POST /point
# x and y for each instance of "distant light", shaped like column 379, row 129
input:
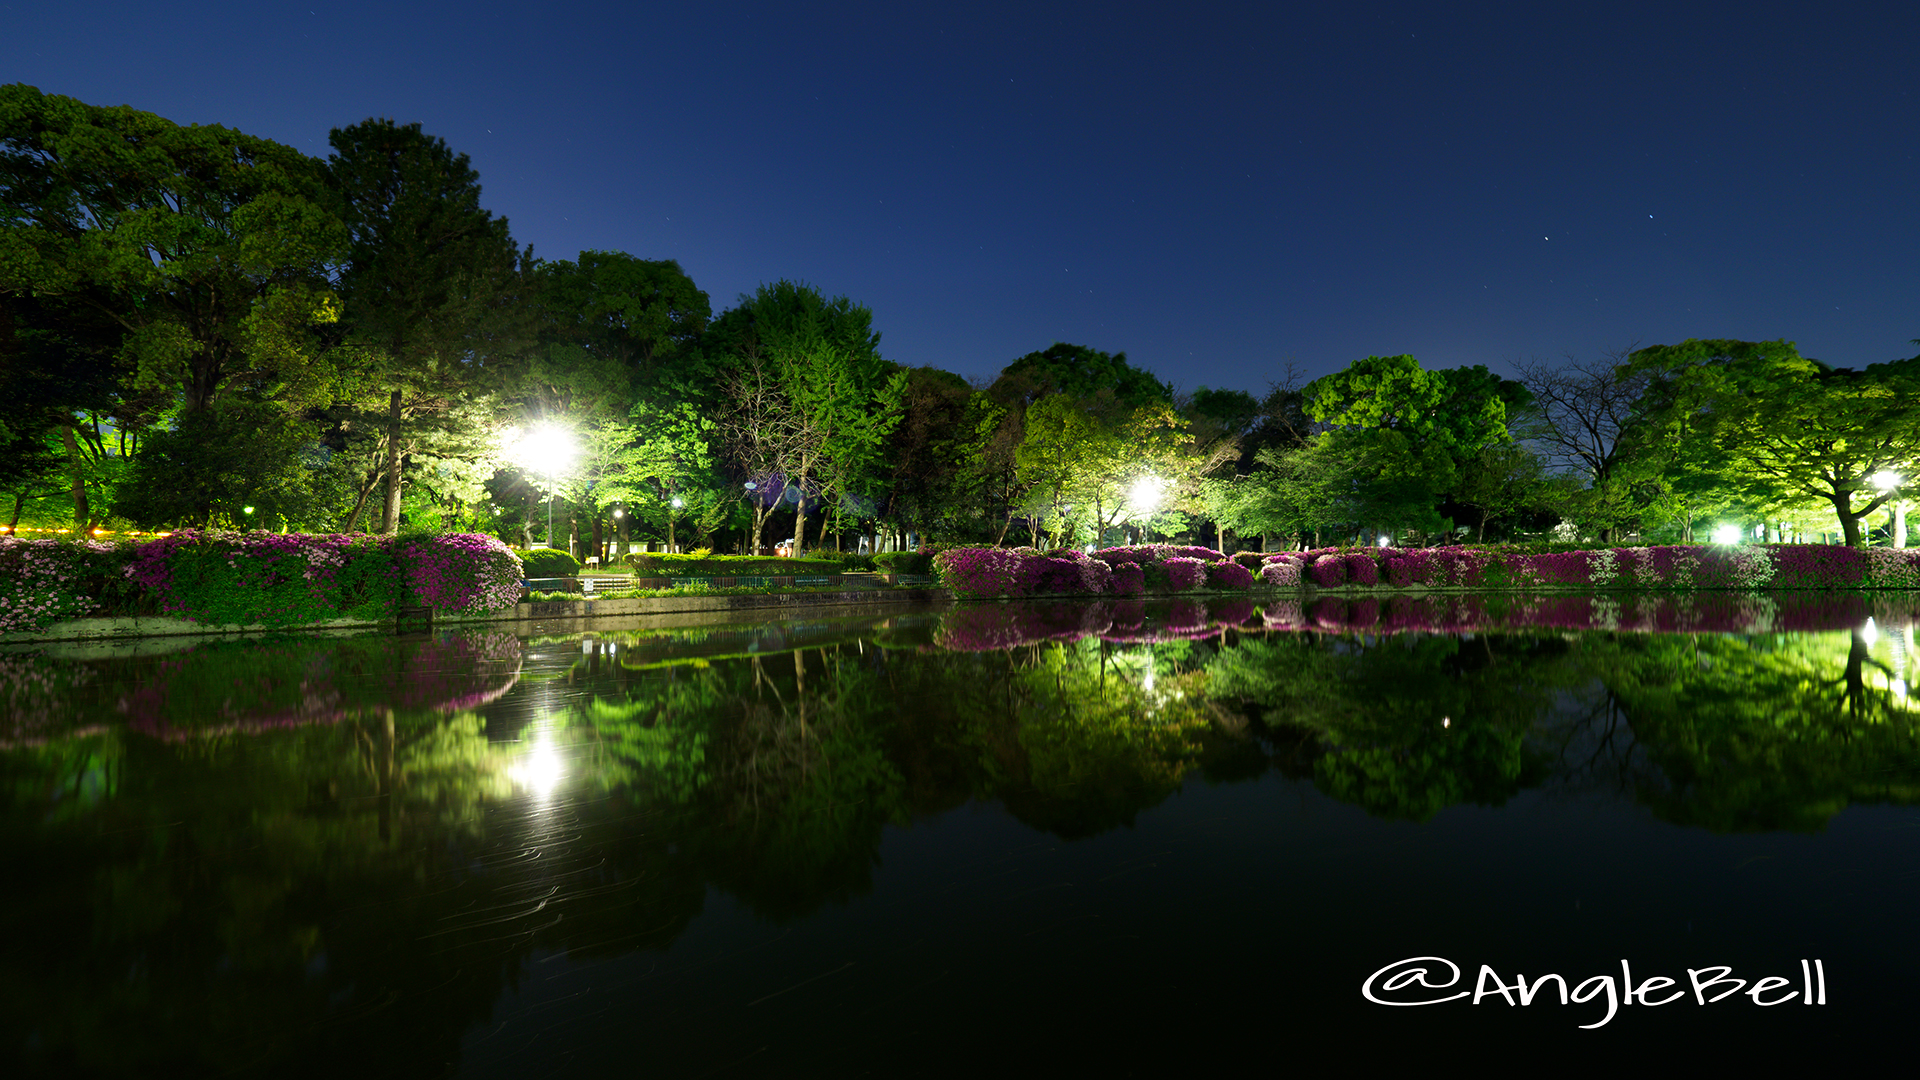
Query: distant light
column 1383, row 541
column 1886, row 480
column 246, row 509
column 677, row 504
column 1728, row 534
column 1446, row 721
column 751, row 486
column 1869, row 633
column 618, row 513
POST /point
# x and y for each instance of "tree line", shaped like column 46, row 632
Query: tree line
column 201, row 327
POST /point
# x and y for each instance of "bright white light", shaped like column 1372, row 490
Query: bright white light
column 1885, row 480
column 1869, row 633
column 547, row 449
column 1147, row 683
column 1900, row 688
column 1728, row 534
column 1446, row 721
column 1144, row 496
column 1383, row 541
column 539, row 771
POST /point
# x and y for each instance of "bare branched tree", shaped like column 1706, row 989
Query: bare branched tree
column 1583, row 407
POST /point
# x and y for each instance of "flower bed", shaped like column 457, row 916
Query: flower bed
column 980, row 572
column 253, row 578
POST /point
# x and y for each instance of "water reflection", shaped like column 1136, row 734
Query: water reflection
column 381, row 833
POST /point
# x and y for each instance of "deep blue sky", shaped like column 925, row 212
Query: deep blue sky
column 1216, row 191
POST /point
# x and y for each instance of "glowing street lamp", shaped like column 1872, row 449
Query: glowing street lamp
column 1144, row 495
column 1728, row 535
column 549, row 450
column 1888, row 481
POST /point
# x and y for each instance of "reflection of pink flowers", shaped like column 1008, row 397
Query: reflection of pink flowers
column 1231, row 611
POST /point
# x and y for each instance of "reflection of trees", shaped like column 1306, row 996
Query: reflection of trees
column 232, row 896
column 1402, row 725
column 1763, row 732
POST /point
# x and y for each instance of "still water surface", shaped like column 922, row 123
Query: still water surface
column 1102, row 838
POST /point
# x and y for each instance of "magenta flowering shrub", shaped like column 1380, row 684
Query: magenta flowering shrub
column 1893, row 568
column 1229, row 575
column 462, row 573
column 1362, row 569
column 980, row 571
column 1818, row 566
column 44, row 581
column 1129, row 579
column 1328, row 571
column 1281, row 573
column 272, row 579
column 1184, row 572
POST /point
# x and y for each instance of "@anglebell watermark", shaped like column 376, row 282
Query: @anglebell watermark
column 1418, row 980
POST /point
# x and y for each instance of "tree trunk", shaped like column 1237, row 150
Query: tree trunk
column 19, row 501
column 799, row 520
column 390, row 515
column 596, row 534
column 77, row 479
column 1849, row 522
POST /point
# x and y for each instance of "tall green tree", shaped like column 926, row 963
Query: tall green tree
column 1410, row 428
column 206, row 249
column 1783, row 428
column 810, row 401
column 437, row 296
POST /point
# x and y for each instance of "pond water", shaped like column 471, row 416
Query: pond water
column 1115, row 838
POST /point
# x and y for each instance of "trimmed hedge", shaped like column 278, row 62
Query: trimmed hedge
column 549, row 562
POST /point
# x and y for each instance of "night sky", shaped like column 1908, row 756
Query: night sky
column 1217, row 191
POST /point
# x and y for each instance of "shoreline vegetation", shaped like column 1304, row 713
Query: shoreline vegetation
column 214, row 582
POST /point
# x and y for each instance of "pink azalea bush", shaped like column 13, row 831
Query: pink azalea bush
column 1328, row 571
column 1281, row 573
column 282, row 579
column 1362, row 569
column 1684, row 568
column 462, row 573
column 1184, row 572
column 44, row 581
column 1228, row 575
